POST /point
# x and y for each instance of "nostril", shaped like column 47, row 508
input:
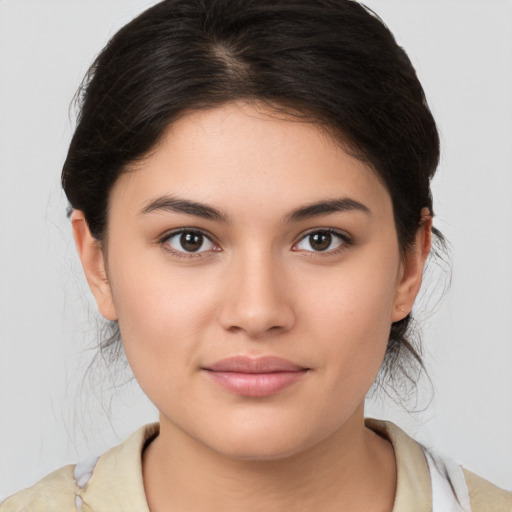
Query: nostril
column 256, row 331
column 234, row 329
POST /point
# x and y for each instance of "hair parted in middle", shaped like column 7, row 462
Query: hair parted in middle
column 329, row 62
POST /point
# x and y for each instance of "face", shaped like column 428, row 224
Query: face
column 254, row 269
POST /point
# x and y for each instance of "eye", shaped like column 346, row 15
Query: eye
column 323, row 240
column 189, row 241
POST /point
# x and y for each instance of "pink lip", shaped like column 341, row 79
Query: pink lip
column 258, row 377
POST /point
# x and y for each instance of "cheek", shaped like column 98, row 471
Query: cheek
column 162, row 317
column 350, row 313
column 357, row 298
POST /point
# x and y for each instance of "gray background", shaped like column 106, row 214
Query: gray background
column 50, row 415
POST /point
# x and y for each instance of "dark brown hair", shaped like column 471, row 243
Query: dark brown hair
column 332, row 62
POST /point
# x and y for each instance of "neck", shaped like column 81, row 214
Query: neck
column 353, row 467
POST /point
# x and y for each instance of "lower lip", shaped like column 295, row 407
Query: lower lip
column 255, row 384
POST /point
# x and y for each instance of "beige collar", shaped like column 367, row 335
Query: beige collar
column 116, row 484
column 414, row 490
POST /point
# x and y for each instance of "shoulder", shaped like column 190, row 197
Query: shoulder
column 425, row 481
column 54, row 492
column 486, row 496
column 111, row 482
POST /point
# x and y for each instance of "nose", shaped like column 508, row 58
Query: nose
column 257, row 297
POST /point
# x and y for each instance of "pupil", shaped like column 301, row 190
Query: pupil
column 320, row 241
column 191, row 242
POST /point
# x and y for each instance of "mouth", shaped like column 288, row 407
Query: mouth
column 255, row 377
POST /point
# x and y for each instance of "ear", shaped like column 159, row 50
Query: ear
column 411, row 272
column 92, row 257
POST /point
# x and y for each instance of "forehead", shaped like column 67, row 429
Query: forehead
column 245, row 155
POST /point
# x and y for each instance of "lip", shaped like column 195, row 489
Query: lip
column 255, row 377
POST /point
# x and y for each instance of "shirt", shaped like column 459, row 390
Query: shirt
column 113, row 482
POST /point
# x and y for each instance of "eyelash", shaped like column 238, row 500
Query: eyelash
column 345, row 242
column 164, row 242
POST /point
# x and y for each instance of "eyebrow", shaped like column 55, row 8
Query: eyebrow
column 326, row 207
column 179, row 205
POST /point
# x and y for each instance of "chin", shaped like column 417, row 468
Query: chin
column 261, row 442
column 258, row 448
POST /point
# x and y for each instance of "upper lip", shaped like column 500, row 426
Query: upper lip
column 245, row 364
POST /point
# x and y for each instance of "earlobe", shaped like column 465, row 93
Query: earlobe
column 92, row 257
column 412, row 268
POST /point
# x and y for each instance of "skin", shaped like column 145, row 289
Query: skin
column 256, row 287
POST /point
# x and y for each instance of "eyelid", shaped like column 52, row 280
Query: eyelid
column 345, row 237
column 162, row 241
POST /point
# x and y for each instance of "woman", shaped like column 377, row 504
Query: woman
column 250, row 193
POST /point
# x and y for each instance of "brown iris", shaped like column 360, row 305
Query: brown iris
column 191, row 242
column 320, row 241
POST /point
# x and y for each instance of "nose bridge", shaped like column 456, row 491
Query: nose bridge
column 256, row 298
